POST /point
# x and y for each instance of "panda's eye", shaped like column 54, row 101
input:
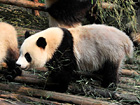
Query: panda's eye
column 28, row 57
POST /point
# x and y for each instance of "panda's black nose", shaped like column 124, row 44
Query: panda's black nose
column 18, row 65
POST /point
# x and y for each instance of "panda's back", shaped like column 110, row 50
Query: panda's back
column 94, row 44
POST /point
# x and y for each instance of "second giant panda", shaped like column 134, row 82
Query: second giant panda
column 9, row 51
column 88, row 48
column 67, row 13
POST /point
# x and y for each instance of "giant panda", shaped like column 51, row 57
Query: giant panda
column 67, row 13
column 9, row 51
column 87, row 48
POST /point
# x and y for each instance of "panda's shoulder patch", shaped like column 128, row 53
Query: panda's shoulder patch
column 66, row 41
column 67, row 38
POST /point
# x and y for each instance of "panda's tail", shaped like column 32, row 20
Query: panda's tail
column 128, row 47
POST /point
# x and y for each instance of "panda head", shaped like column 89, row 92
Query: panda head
column 39, row 48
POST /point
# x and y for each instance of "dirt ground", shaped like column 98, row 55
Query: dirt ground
column 127, row 92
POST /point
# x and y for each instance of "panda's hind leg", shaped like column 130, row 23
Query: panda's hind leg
column 110, row 73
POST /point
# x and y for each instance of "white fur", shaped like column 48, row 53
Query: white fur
column 8, row 40
column 93, row 44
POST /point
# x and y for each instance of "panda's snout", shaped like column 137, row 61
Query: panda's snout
column 22, row 62
column 22, row 66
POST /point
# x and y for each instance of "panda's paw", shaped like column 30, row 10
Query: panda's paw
column 112, row 85
column 12, row 74
column 18, row 71
column 9, row 77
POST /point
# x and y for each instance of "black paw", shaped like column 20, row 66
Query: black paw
column 10, row 75
column 17, row 71
column 109, row 85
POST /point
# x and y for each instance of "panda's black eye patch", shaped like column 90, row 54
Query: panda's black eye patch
column 28, row 57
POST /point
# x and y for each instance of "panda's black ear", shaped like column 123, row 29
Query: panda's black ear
column 41, row 42
column 27, row 34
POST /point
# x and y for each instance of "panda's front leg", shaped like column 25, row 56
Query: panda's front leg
column 12, row 71
column 62, row 79
column 61, row 67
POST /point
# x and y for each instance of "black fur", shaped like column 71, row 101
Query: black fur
column 41, row 42
column 110, row 73
column 69, row 12
column 63, row 63
column 27, row 34
column 28, row 57
column 13, row 70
